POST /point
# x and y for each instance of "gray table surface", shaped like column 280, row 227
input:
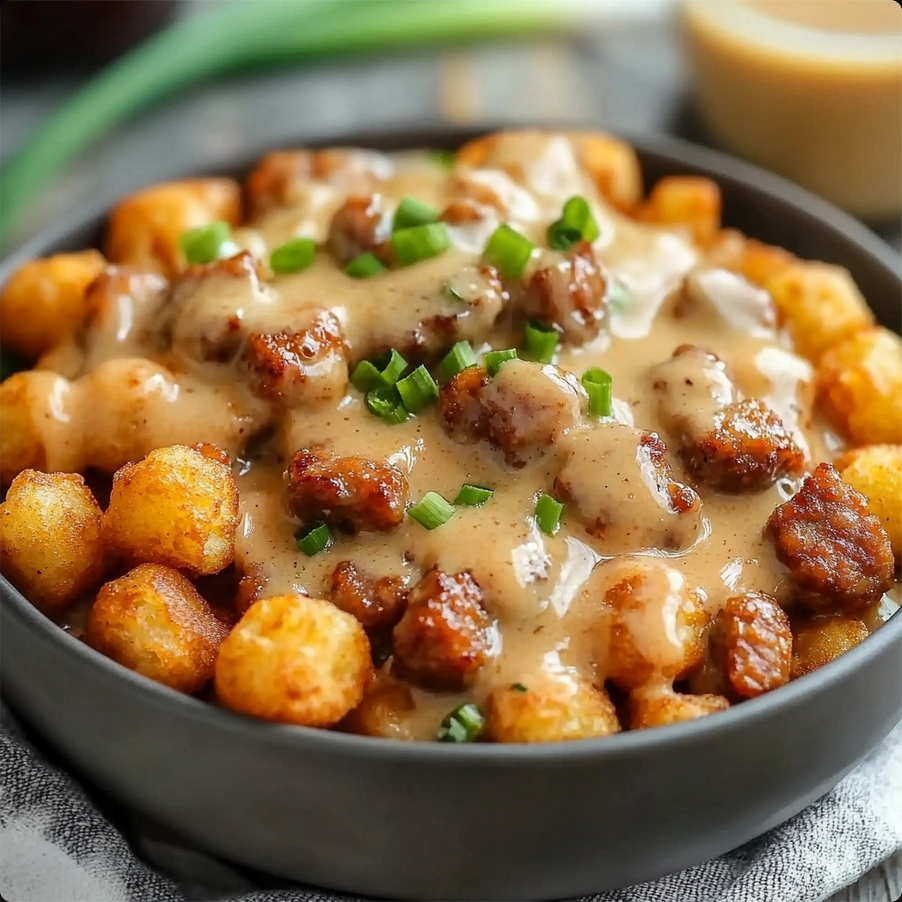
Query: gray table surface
column 625, row 74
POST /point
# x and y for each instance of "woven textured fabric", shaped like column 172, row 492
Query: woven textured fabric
column 56, row 846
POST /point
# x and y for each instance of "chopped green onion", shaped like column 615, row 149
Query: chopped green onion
column 460, row 357
column 420, row 242
column 494, row 359
column 412, row 212
column 540, row 342
column 508, row 251
column 293, row 256
column 385, row 402
column 518, row 687
column 619, row 295
column 576, row 224
column 418, row 389
column 473, row 495
column 207, row 243
column 364, row 266
column 453, row 293
column 548, row 514
column 598, row 385
column 431, row 510
column 315, row 538
column 444, row 158
column 464, row 724
column 380, row 372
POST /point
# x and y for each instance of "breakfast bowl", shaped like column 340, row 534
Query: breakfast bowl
column 461, row 820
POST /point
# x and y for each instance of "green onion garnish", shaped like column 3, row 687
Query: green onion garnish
column 314, row 538
column 444, row 158
column 293, row 256
column 420, row 242
column 576, row 224
column 207, row 243
column 494, row 359
column 418, row 389
column 453, row 293
column 540, row 342
column 412, row 212
column 431, row 510
column 473, row 495
column 619, row 295
column 508, row 251
column 385, row 402
column 460, row 357
column 364, row 266
column 380, row 372
column 464, row 724
column 518, row 687
column 548, row 514
column 597, row 384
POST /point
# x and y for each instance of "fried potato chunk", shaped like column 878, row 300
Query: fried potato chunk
column 818, row 304
column 838, row 554
column 153, row 621
column 820, row 640
column 51, row 538
column 445, row 635
column 384, row 711
column 551, row 707
column 756, row 261
column 43, row 303
column 859, row 385
column 175, row 507
column 295, row 660
column 685, row 200
column 659, row 706
column 375, row 603
column 144, row 229
column 876, row 472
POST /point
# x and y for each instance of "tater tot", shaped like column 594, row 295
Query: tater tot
column 145, row 228
column 685, row 200
column 819, row 640
column 876, row 472
column 385, row 711
column 153, row 621
column 550, row 707
column 818, row 304
column 295, row 660
column 859, row 386
column 51, row 538
column 175, row 507
column 42, row 304
column 658, row 706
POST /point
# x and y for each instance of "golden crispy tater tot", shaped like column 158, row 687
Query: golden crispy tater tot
column 818, row 304
column 43, row 303
column 384, row 711
column 550, row 707
column 145, row 228
column 685, row 200
column 51, row 538
column 859, row 385
column 818, row 640
column 153, row 621
column 175, row 507
column 876, row 472
column 756, row 261
column 296, row 660
column 658, row 706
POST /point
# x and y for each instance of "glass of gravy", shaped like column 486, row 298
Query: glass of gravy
column 811, row 89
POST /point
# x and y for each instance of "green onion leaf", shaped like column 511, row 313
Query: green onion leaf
column 380, row 372
column 315, row 538
column 385, row 402
column 431, row 510
column 508, row 251
column 548, row 514
column 364, row 266
column 418, row 389
column 473, row 495
column 540, row 342
column 464, row 724
column 460, row 357
column 293, row 256
column 619, row 296
column 207, row 243
column 518, row 687
column 454, row 294
column 412, row 212
column 444, row 158
column 597, row 384
column 420, row 242
column 494, row 359
column 576, row 224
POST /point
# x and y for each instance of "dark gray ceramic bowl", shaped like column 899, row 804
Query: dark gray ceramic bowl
column 434, row 821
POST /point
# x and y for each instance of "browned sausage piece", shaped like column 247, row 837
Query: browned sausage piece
column 838, row 553
column 752, row 641
column 374, row 602
column 445, row 635
column 352, row 493
column 359, row 226
column 571, row 295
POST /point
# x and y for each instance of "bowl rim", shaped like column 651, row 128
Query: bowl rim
column 681, row 153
